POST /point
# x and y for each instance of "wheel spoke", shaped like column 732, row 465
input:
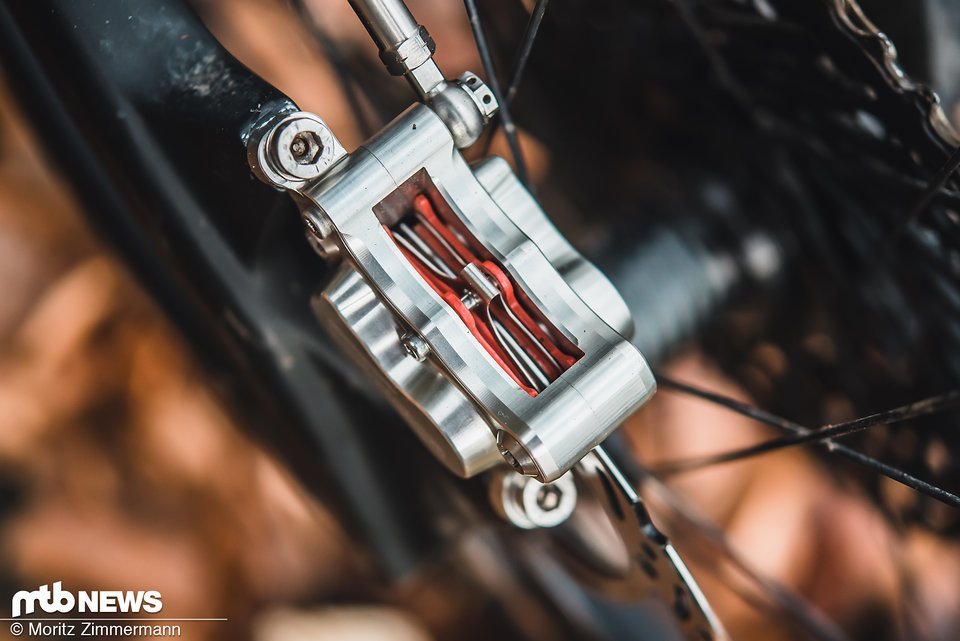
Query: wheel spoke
column 937, row 183
column 359, row 104
column 526, row 46
column 509, row 129
column 838, row 449
column 523, row 56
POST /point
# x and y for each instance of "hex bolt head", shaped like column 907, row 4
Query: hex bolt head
column 415, row 346
column 516, row 454
column 549, row 497
column 299, row 148
column 306, row 148
column 529, row 504
column 288, row 149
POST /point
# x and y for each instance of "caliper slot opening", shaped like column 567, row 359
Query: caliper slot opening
column 464, row 274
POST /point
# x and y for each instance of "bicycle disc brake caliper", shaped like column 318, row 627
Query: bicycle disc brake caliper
column 480, row 322
column 491, row 335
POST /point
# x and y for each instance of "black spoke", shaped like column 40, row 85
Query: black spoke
column 925, row 407
column 838, row 449
column 341, row 68
column 509, row 129
column 526, row 46
column 523, row 55
column 933, row 189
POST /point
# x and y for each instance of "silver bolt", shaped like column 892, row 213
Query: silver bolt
column 516, row 454
column 300, row 147
column 321, row 241
column 288, row 149
column 549, row 497
column 529, row 504
column 415, row 346
column 306, row 148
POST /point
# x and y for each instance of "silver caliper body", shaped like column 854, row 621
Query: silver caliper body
column 483, row 326
column 451, row 387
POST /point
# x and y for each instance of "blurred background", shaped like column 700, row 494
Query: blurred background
column 120, row 465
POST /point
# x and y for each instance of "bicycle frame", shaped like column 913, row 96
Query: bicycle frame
column 143, row 112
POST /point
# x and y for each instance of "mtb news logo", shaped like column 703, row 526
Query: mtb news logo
column 62, row 601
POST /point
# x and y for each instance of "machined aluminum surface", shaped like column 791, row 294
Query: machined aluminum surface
column 442, row 416
column 548, row 433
